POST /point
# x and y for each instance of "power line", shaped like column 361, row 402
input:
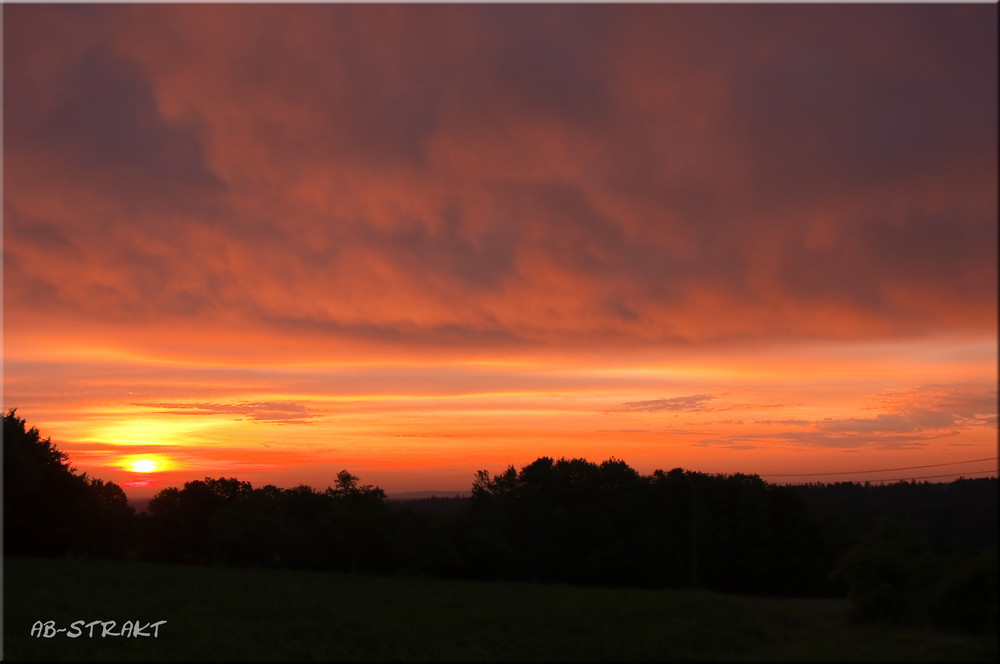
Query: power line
column 883, row 470
column 926, row 477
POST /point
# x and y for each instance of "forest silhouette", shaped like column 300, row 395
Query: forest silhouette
column 906, row 553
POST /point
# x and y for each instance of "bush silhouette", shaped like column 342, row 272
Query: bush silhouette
column 887, row 574
column 966, row 597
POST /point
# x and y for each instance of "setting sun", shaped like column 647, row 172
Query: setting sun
column 144, row 464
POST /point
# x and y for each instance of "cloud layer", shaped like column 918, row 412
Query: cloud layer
column 499, row 178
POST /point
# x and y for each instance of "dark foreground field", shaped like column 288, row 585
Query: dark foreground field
column 231, row 614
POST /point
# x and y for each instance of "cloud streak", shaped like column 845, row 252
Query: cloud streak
column 918, row 416
column 266, row 411
column 692, row 403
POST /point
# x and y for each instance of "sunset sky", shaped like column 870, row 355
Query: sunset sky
column 273, row 241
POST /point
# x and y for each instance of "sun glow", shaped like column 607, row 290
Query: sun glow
column 145, row 463
column 142, row 466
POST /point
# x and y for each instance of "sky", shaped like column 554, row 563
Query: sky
column 415, row 241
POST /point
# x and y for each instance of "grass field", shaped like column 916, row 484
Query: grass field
column 235, row 614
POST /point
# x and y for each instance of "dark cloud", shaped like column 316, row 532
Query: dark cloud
column 538, row 66
column 793, row 422
column 103, row 128
column 692, row 403
column 918, row 420
column 919, row 415
column 881, row 440
column 728, row 445
column 42, row 235
column 881, row 256
column 453, row 248
column 864, row 96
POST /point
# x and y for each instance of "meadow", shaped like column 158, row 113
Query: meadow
column 216, row 613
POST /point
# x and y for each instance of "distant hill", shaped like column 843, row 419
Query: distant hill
column 419, row 495
column 142, row 504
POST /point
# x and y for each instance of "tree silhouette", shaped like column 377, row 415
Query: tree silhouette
column 575, row 521
column 111, row 521
column 180, row 525
column 348, row 488
column 51, row 510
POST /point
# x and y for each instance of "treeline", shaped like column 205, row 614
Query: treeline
column 225, row 521
column 579, row 522
column 910, row 553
